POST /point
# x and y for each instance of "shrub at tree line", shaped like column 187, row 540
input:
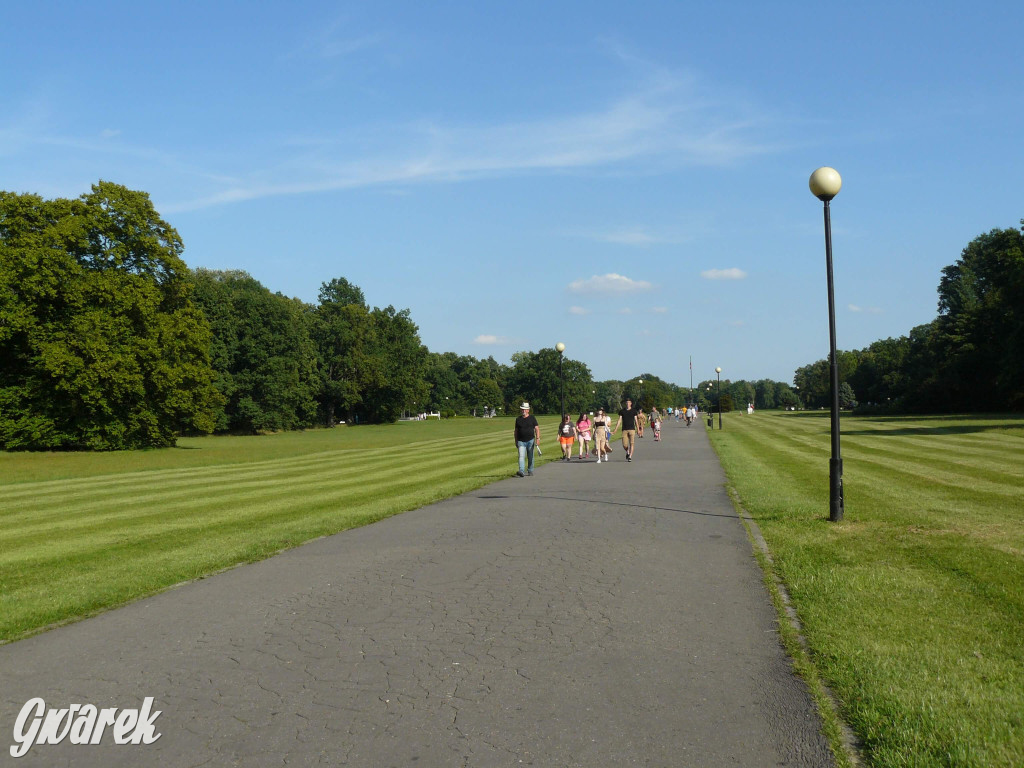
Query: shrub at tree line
column 109, row 341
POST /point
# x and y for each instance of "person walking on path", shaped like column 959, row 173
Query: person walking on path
column 627, row 420
column 583, row 434
column 527, row 437
column 602, row 429
column 566, row 437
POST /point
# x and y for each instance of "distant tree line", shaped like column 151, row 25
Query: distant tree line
column 109, row 341
column 970, row 358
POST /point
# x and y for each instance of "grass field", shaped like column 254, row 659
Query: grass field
column 913, row 606
column 81, row 533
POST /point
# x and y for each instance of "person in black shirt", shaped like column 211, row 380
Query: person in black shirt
column 627, row 420
column 527, row 437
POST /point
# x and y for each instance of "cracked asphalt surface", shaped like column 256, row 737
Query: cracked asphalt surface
column 591, row 615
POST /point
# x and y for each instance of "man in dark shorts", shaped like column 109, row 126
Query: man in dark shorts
column 627, row 419
column 527, row 436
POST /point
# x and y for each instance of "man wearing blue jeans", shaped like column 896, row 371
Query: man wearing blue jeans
column 527, row 435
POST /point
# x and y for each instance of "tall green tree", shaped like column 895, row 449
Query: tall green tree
column 981, row 321
column 607, row 395
column 372, row 363
column 402, row 365
column 347, row 344
column 102, row 345
column 534, row 376
column 262, row 351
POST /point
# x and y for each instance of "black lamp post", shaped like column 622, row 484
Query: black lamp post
column 718, row 372
column 561, row 353
column 825, row 184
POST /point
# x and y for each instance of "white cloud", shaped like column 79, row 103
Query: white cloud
column 610, row 283
column 491, row 339
column 659, row 310
column 578, row 311
column 732, row 273
column 868, row 310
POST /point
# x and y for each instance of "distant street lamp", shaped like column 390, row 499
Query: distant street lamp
column 825, row 184
column 561, row 353
column 718, row 372
column 641, row 394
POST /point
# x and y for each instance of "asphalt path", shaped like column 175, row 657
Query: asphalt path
column 592, row 615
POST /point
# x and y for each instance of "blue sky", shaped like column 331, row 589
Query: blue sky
column 631, row 181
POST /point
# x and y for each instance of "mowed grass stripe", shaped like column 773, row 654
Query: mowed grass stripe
column 43, row 490
column 912, row 606
column 132, row 544
column 935, row 479
column 182, row 506
column 952, row 455
column 281, row 512
column 930, row 467
column 85, row 496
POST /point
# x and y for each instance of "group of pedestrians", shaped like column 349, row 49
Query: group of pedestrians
column 600, row 430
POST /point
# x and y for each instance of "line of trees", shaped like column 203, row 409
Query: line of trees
column 969, row 358
column 109, row 341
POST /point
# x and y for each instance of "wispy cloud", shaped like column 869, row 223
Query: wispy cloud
column 332, row 40
column 867, row 310
column 667, row 120
column 578, row 311
column 659, row 310
column 664, row 123
column 627, row 237
column 610, row 283
column 723, row 274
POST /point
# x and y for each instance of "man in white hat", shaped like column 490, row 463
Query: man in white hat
column 527, row 436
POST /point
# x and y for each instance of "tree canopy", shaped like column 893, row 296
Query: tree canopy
column 102, row 345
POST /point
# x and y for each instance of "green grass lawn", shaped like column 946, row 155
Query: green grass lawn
column 913, row 606
column 83, row 532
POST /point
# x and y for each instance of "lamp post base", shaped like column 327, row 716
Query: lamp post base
column 835, row 481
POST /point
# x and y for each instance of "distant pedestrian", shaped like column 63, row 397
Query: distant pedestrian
column 527, row 437
column 583, row 426
column 566, row 437
column 656, row 426
column 627, row 420
column 602, row 431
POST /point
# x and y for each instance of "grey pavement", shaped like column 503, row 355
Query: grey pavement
column 591, row 615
